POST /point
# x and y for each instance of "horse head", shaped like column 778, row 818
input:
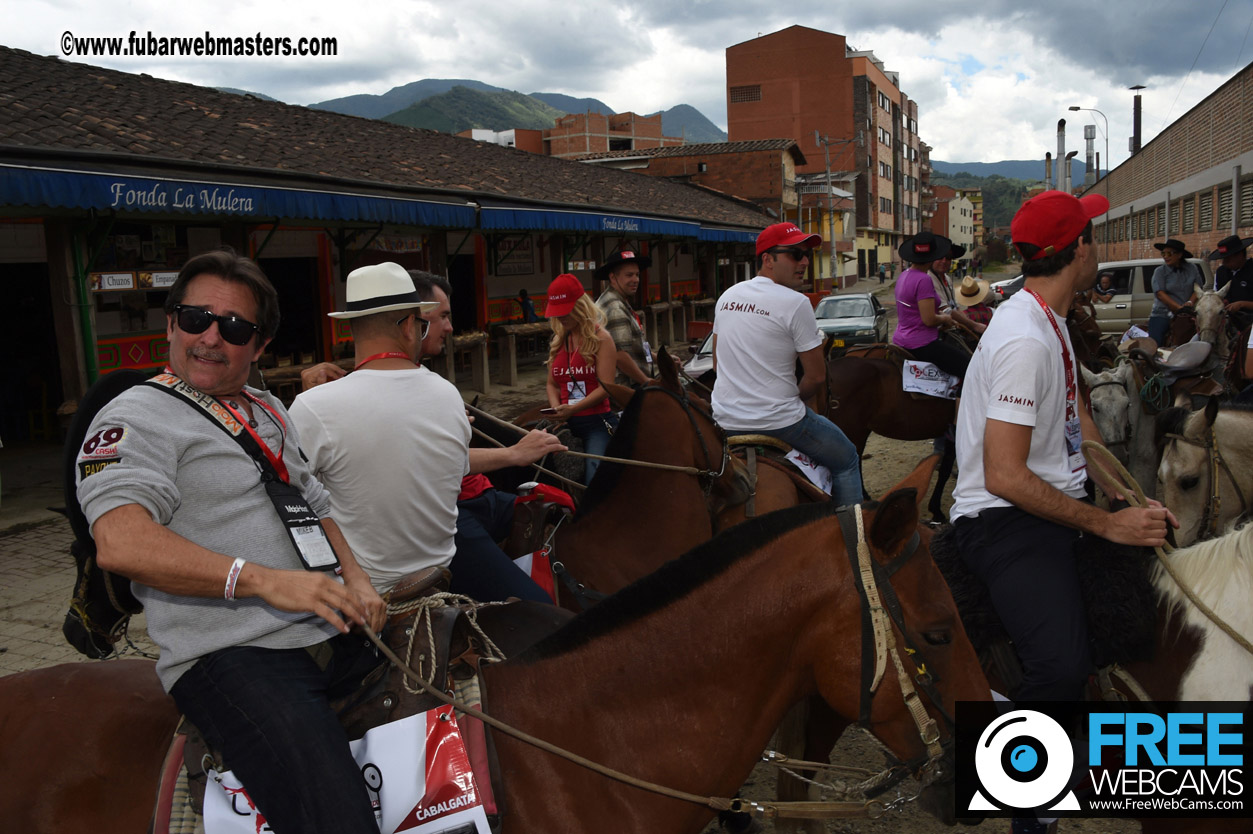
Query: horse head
column 1204, row 467
column 1111, row 407
column 932, row 653
column 1211, row 313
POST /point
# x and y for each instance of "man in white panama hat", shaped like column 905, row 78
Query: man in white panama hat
column 390, row 442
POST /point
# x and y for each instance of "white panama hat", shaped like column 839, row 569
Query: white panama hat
column 381, row 288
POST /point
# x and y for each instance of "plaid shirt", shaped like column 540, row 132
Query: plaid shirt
column 979, row 313
column 624, row 329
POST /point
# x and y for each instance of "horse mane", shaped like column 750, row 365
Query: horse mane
column 1208, row 568
column 620, row 445
column 676, row 579
column 1174, row 420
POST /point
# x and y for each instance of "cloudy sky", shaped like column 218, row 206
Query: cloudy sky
column 991, row 77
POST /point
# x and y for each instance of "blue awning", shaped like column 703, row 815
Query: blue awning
column 519, row 218
column 60, row 188
column 726, row 235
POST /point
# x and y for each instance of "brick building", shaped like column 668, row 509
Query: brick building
column 583, row 133
column 799, row 81
column 1193, row 182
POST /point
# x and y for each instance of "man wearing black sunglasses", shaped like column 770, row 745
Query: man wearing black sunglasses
column 761, row 328
column 233, row 569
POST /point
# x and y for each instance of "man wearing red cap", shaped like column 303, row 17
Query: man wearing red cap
column 760, row 329
column 1018, row 506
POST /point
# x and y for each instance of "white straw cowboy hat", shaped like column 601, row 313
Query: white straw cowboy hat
column 381, row 288
column 971, row 291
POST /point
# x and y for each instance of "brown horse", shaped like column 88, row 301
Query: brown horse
column 864, row 395
column 615, row 685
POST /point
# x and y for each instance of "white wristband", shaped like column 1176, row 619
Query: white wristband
column 233, row 576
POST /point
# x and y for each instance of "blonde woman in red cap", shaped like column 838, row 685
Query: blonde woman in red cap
column 581, row 354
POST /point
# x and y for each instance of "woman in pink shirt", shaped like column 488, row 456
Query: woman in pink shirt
column 580, row 355
column 918, row 320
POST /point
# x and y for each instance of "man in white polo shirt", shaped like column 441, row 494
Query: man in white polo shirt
column 761, row 327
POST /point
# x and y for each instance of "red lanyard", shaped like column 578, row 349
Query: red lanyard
column 1072, row 390
column 391, row 354
column 275, row 460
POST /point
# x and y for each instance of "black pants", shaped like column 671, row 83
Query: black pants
column 944, row 356
column 1028, row 565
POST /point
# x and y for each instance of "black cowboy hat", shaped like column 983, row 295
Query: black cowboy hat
column 622, row 256
column 1230, row 246
column 957, row 251
column 1177, row 245
column 925, row 247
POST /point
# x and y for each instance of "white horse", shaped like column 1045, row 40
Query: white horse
column 1125, row 429
column 1210, row 318
column 1220, row 574
column 1206, row 469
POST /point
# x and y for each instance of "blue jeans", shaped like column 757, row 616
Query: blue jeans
column 822, row 440
column 1159, row 326
column 593, row 430
column 481, row 570
column 268, row 712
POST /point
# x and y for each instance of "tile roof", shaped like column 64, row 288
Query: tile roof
column 705, row 149
column 47, row 104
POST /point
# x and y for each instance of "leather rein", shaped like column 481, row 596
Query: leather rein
column 871, row 577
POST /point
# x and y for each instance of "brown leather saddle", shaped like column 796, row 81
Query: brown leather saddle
column 758, row 450
column 1185, row 372
column 447, row 643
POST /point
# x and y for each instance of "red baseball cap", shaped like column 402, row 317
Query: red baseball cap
column 563, row 293
column 1054, row 220
column 785, row 234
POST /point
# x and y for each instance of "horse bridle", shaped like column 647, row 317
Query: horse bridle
column 880, row 610
column 1214, row 504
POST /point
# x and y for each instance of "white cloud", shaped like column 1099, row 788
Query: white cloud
column 991, row 81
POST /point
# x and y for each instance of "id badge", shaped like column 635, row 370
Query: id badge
column 648, row 353
column 1074, row 444
column 576, row 390
column 303, row 526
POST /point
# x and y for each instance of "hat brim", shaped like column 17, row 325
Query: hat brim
column 421, row 307
column 1186, row 254
column 943, row 248
column 563, row 308
column 809, row 241
column 970, row 301
column 1245, row 243
column 602, row 271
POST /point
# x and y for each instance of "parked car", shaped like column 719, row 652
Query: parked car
column 1133, row 292
column 852, row 319
column 1002, row 290
column 700, row 366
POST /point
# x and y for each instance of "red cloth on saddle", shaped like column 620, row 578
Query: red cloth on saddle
column 548, row 493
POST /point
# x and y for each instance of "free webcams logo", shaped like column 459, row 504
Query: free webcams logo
column 1024, row 760
column 1103, row 759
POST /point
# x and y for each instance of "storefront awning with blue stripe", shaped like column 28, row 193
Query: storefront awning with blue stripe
column 61, row 188
column 712, row 235
column 528, row 218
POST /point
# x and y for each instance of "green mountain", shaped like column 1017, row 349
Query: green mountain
column 685, row 121
column 462, row 108
column 398, row 98
column 1001, row 195
column 570, row 104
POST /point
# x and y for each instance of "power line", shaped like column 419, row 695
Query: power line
column 1194, row 60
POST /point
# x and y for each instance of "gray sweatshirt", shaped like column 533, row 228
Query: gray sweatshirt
column 152, row 449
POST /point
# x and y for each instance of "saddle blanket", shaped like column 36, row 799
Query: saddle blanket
column 818, row 475
column 416, row 771
column 925, row 378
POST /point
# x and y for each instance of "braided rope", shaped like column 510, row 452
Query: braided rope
column 424, row 606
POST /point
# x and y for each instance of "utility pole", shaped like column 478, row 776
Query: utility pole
column 825, row 141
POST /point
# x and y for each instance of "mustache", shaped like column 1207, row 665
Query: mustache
column 207, row 355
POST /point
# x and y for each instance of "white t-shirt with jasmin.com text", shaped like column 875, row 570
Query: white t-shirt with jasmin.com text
column 1017, row 376
column 761, row 326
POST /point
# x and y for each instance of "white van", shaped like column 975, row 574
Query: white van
column 1133, row 292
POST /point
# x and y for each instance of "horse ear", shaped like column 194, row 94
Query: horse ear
column 1223, row 292
column 668, row 370
column 1089, row 378
column 919, row 479
column 895, row 520
column 1199, row 290
column 1211, row 411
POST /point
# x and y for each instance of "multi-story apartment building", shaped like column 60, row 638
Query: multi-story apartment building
column 811, row 86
